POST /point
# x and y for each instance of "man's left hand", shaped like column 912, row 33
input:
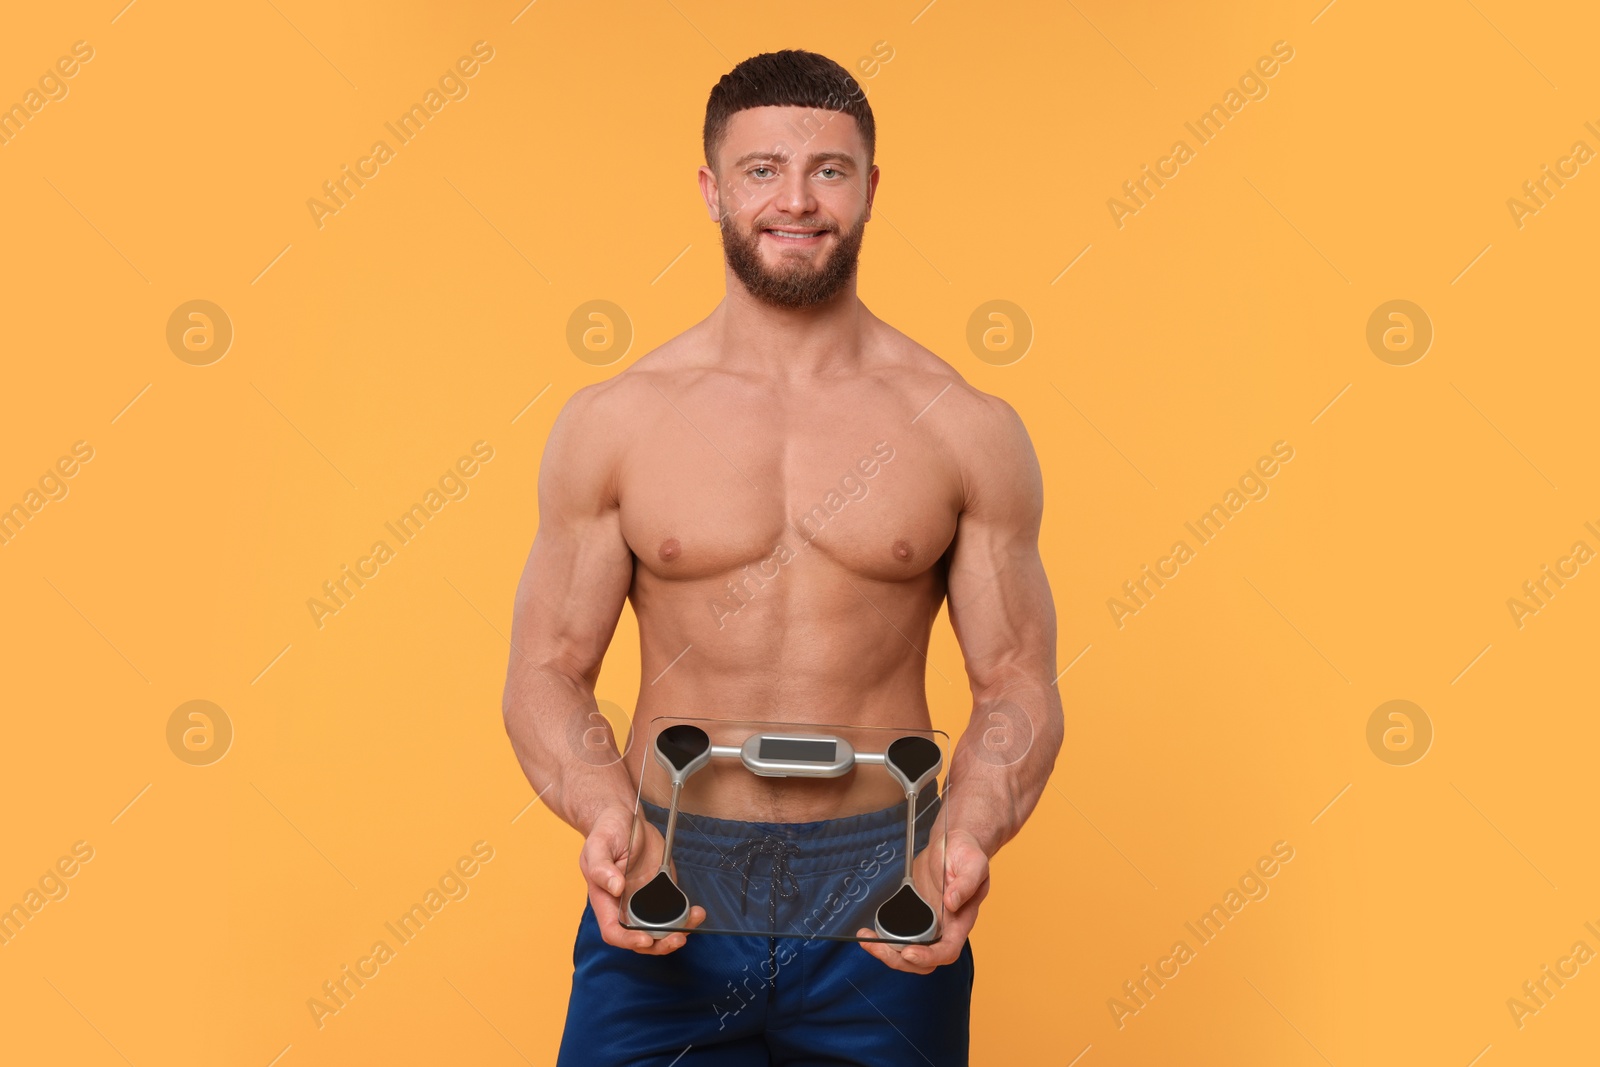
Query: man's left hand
column 966, row 883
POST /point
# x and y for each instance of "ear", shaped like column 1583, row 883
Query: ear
column 872, row 189
column 711, row 193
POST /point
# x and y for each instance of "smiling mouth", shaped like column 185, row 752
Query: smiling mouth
column 792, row 234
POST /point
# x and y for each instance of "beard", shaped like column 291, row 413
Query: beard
column 795, row 282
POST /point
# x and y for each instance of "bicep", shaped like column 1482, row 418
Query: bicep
column 580, row 568
column 1000, row 603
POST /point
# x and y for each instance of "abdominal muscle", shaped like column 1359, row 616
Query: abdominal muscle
column 815, row 653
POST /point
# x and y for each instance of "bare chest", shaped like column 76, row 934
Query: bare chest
column 878, row 500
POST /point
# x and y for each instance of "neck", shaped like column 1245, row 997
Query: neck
column 790, row 344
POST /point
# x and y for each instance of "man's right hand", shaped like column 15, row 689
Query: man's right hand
column 607, row 853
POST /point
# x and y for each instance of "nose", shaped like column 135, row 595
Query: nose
column 795, row 196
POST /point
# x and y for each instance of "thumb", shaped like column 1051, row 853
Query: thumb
column 965, row 872
column 603, row 870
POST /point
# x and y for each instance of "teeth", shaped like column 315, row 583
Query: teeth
column 794, row 236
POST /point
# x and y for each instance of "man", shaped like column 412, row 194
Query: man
column 704, row 484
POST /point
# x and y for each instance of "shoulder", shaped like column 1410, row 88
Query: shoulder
column 622, row 398
column 948, row 406
column 588, row 441
column 616, row 403
column 982, row 433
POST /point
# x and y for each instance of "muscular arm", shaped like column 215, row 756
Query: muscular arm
column 567, row 605
column 572, row 591
column 1004, row 619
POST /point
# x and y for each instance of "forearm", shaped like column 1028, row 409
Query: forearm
column 1003, row 761
column 563, row 743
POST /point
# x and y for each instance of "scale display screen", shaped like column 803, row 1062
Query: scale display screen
column 791, row 748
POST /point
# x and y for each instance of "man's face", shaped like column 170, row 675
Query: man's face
column 792, row 193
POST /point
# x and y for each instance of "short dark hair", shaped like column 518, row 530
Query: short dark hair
column 790, row 78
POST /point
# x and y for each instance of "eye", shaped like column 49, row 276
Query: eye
column 830, row 170
column 760, row 167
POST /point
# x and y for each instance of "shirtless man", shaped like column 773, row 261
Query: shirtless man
column 714, row 483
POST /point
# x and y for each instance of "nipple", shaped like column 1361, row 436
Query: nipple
column 902, row 550
column 669, row 550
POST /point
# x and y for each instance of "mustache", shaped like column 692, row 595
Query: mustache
column 804, row 224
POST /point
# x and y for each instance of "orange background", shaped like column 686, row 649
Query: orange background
column 1229, row 313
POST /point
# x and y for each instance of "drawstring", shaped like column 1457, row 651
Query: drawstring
column 779, row 850
column 783, row 881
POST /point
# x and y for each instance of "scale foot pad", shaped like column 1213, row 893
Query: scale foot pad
column 906, row 917
column 658, row 903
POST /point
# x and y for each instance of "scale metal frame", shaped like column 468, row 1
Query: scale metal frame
column 660, row 907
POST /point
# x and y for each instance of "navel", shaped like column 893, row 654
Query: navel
column 669, row 550
column 902, row 550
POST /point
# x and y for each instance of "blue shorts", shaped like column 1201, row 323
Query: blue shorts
column 741, row 1000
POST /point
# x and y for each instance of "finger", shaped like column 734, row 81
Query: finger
column 883, row 953
column 967, row 887
column 964, row 879
column 937, row 954
column 606, row 907
column 958, row 925
column 963, row 895
column 671, row 943
column 675, row 940
column 642, row 941
column 607, row 914
column 616, row 934
column 599, row 863
column 890, row 955
column 952, row 938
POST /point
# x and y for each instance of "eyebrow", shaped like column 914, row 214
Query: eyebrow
column 812, row 160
